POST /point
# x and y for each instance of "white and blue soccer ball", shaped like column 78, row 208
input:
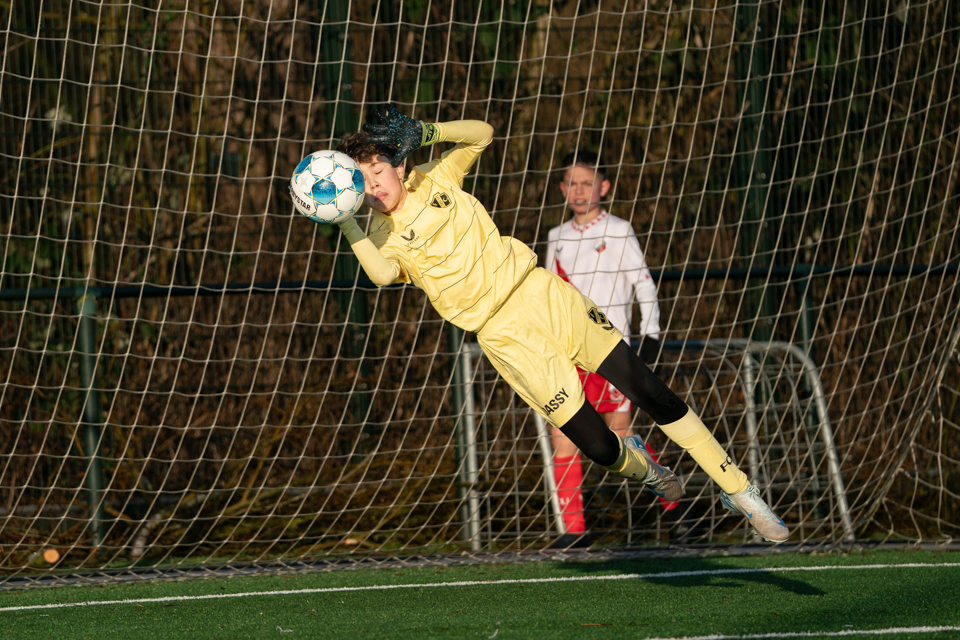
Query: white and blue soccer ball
column 327, row 187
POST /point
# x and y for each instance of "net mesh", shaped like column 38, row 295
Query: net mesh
column 192, row 374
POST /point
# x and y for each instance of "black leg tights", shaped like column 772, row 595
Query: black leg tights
column 593, row 437
column 627, row 372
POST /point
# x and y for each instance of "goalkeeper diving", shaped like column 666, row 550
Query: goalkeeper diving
column 534, row 327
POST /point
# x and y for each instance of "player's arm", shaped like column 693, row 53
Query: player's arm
column 379, row 269
column 550, row 263
column 471, row 136
column 645, row 290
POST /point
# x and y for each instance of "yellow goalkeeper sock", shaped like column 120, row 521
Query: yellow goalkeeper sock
column 629, row 464
column 690, row 433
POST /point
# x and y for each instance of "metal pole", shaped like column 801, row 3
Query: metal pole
column 812, row 377
column 92, row 415
column 466, row 437
column 750, row 400
column 458, row 349
column 471, row 468
column 826, row 433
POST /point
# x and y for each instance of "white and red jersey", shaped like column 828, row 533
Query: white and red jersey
column 603, row 260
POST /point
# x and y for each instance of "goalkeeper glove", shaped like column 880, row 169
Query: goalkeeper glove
column 405, row 133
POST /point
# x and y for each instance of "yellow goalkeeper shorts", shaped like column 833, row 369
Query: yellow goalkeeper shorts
column 539, row 336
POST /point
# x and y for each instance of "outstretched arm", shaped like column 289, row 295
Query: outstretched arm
column 381, row 271
column 408, row 134
column 471, row 136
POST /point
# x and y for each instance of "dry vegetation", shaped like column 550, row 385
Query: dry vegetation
column 152, row 146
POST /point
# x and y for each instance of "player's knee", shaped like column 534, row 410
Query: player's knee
column 628, row 373
column 649, row 386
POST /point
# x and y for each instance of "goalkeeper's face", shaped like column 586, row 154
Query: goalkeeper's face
column 383, row 188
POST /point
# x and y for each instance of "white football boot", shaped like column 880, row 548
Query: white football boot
column 751, row 505
column 660, row 479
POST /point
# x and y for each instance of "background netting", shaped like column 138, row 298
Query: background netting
column 193, row 374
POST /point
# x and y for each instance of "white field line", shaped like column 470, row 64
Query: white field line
column 482, row 583
column 818, row 634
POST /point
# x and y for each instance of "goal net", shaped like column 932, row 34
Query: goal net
column 192, row 375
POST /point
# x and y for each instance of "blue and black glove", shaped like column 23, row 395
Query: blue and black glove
column 404, row 133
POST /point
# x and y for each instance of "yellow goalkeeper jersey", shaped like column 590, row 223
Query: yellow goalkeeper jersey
column 443, row 240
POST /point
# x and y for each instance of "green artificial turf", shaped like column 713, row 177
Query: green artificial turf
column 734, row 604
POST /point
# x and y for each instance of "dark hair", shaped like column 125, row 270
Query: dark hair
column 356, row 146
column 584, row 158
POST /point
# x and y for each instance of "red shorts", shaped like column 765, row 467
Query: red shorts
column 604, row 397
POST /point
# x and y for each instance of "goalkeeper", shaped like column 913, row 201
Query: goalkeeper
column 534, row 327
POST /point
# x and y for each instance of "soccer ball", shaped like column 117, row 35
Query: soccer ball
column 327, row 187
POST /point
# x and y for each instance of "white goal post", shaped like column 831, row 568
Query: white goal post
column 753, row 374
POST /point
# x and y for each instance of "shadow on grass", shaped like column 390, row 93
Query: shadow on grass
column 699, row 572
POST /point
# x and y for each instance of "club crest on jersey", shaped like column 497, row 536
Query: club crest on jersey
column 441, row 201
column 558, row 399
column 599, row 318
column 600, row 246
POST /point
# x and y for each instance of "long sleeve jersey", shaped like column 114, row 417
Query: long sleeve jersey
column 603, row 260
column 444, row 242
